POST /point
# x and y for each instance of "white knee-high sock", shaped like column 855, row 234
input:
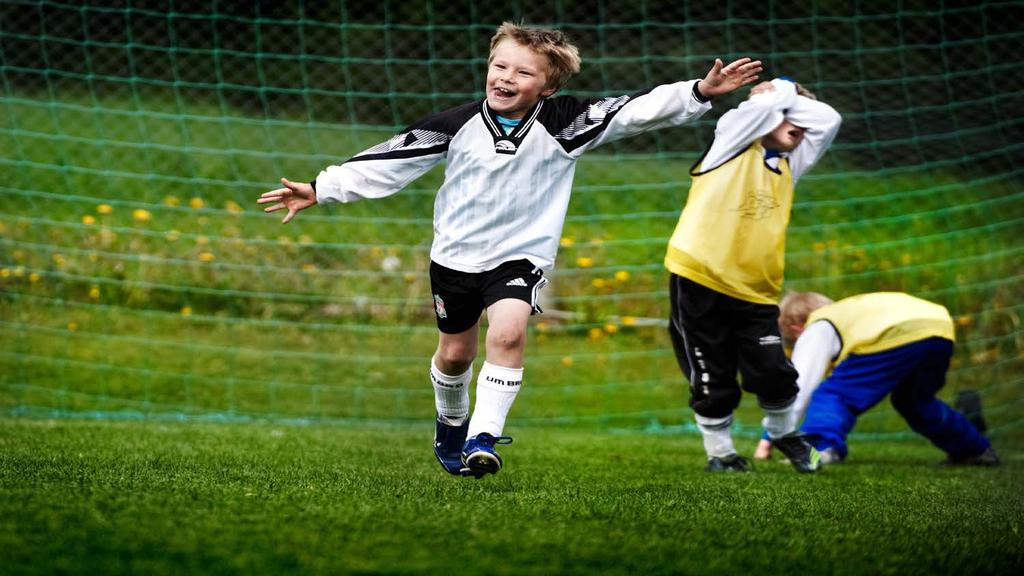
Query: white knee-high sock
column 496, row 390
column 717, row 435
column 778, row 423
column 451, row 395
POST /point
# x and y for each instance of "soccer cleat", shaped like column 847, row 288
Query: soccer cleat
column 968, row 403
column 731, row 463
column 799, row 451
column 479, row 455
column 987, row 458
column 448, row 441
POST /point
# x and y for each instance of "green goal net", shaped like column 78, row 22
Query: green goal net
column 139, row 279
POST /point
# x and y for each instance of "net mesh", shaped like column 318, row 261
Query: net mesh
column 140, row 280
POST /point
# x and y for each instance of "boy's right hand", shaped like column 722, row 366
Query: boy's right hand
column 724, row 79
column 295, row 196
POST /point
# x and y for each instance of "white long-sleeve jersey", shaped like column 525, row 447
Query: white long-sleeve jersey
column 504, row 196
column 762, row 113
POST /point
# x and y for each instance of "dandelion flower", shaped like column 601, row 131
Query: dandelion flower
column 88, row 220
column 72, row 326
column 598, row 282
column 622, row 276
column 566, row 360
column 611, row 328
column 34, row 277
column 542, row 326
column 584, row 262
column 566, row 241
column 141, row 215
column 196, row 203
column 595, row 334
column 629, row 320
column 171, row 200
column 186, row 310
column 233, row 207
column 206, row 257
column 104, row 208
column 94, row 292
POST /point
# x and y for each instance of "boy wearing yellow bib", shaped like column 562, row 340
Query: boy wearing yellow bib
column 870, row 346
column 726, row 257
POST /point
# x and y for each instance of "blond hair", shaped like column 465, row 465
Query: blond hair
column 563, row 58
column 794, row 309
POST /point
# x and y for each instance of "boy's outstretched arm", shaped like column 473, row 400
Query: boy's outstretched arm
column 724, row 79
column 295, row 196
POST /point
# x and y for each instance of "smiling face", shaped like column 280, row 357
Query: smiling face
column 517, row 78
column 784, row 138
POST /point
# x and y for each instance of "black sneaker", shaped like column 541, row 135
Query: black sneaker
column 799, row 451
column 987, row 458
column 968, row 403
column 731, row 463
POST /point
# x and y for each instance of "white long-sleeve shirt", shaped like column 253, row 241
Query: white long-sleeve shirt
column 762, row 113
column 812, row 356
column 504, row 196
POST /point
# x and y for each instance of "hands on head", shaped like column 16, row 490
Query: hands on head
column 295, row 196
column 724, row 79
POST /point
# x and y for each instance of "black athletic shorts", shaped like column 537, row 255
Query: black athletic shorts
column 460, row 297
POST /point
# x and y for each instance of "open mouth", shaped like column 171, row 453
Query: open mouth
column 503, row 92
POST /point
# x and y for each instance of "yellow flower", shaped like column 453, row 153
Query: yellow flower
column 5, row 273
column 172, row 235
column 104, row 208
column 171, row 200
column 566, row 360
column 186, row 310
column 196, row 202
column 94, row 292
column 72, row 326
column 59, row 260
column 88, row 220
column 308, row 268
column 964, row 320
column 566, row 241
column 34, row 277
column 611, row 328
column 622, row 276
column 629, row 320
column 584, row 262
column 141, row 215
column 19, row 271
column 906, row 258
column 233, row 207
column 206, row 257
column 542, row 326
column 598, row 282
column 595, row 334
column 819, row 247
column 202, row 240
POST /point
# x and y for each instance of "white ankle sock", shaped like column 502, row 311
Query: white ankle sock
column 717, row 435
column 778, row 423
column 451, row 395
column 496, row 390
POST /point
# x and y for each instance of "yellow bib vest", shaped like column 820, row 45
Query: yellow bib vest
column 731, row 236
column 880, row 321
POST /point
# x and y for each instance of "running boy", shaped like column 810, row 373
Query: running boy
column 498, row 215
column 877, row 344
column 726, row 264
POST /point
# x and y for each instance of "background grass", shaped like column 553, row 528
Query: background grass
column 103, row 497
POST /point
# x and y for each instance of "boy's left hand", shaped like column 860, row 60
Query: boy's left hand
column 724, row 79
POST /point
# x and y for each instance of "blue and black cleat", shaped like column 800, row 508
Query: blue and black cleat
column 448, row 442
column 479, row 457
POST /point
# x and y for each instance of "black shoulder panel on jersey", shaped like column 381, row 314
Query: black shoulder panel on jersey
column 427, row 136
column 576, row 121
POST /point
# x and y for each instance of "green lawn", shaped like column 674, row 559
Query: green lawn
column 100, row 497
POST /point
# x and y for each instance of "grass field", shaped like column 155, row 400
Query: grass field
column 90, row 498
